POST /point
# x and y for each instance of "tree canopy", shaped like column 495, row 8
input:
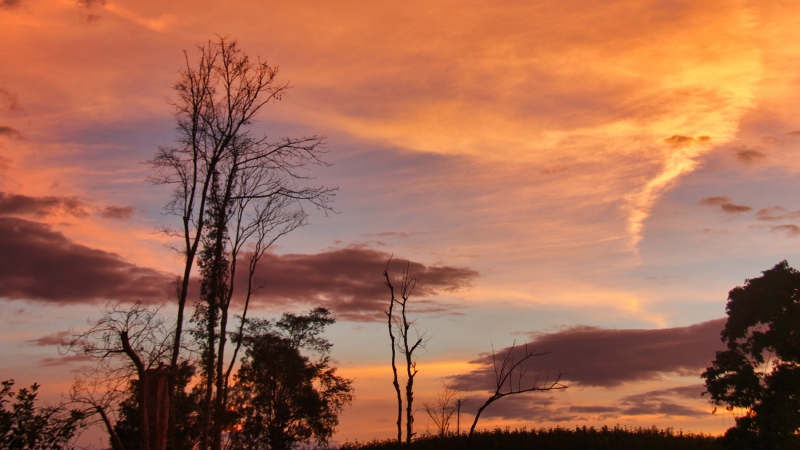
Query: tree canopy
column 758, row 376
column 284, row 396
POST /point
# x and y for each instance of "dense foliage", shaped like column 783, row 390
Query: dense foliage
column 579, row 438
column 24, row 426
column 286, row 391
column 758, row 375
column 282, row 395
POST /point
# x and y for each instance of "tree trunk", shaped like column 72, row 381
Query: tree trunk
column 158, row 401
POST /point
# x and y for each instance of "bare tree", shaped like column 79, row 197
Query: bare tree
column 100, row 397
column 127, row 342
column 442, row 408
column 395, row 382
column 459, row 403
column 509, row 378
column 235, row 195
column 407, row 346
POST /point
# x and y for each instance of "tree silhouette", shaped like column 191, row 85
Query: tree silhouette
column 509, row 379
column 407, row 345
column 127, row 342
column 235, row 194
column 282, row 396
column 758, row 376
column 442, row 408
column 25, row 426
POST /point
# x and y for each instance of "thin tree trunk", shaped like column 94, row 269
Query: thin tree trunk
column 394, row 365
column 411, row 372
column 116, row 441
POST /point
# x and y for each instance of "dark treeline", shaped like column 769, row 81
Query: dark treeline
column 579, row 438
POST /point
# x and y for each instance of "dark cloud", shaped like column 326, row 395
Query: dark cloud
column 117, row 212
column 709, row 201
column 681, row 141
column 594, row 409
column 546, row 407
column 64, row 360
column 776, row 213
column 51, row 339
column 748, row 155
column 592, row 356
column 349, row 281
column 791, row 230
column 41, row 264
column 88, row 4
column 554, row 169
column 8, row 4
column 8, row 99
column 661, row 402
column 724, row 204
column 730, row 208
column 398, row 234
column 772, row 140
column 535, row 407
column 9, row 132
column 13, row 204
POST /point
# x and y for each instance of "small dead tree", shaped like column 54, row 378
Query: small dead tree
column 441, row 409
column 509, row 377
column 459, row 403
column 100, row 397
column 407, row 345
column 127, row 342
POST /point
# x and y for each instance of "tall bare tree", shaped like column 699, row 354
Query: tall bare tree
column 395, row 381
column 235, row 194
column 509, row 379
column 400, row 327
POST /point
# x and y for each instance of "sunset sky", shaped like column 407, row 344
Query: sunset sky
column 592, row 177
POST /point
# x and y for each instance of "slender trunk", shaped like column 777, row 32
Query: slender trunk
column 394, row 365
column 240, row 333
column 411, row 371
column 208, row 411
column 116, row 443
column 478, row 416
column 410, row 399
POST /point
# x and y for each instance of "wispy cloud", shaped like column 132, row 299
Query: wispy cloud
column 789, row 229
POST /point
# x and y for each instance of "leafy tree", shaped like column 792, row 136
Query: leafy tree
column 283, row 396
column 24, row 426
column 758, row 376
